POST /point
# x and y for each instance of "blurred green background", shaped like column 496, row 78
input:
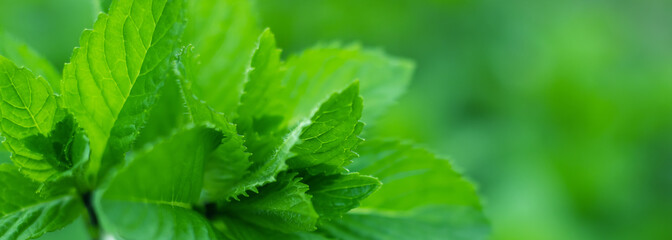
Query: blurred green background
column 560, row 111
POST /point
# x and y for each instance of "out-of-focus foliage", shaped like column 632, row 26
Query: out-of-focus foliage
column 559, row 110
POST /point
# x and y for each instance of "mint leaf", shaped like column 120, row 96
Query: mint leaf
column 24, row 214
column 4, row 156
column 335, row 195
column 431, row 222
column 74, row 231
column 233, row 228
column 324, row 69
column 422, row 197
column 228, row 164
column 265, row 171
column 282, row 206
column 104, row 5
column 264, row 98
column 28, row 109
column 57, row 148
column 71, row 150
column 177, row 107
column 269, row 142
column 300, row 84
column 160, row 200
column 23, row 55
column 411, row 177
column 327, row 144
column 224, row 33
column 167, row 115
column 114, row 75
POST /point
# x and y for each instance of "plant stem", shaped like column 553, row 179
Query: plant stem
column 93, row 227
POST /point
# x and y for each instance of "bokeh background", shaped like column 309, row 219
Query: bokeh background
column 560, row 111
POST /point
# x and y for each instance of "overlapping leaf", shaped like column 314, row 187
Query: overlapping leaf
column 24, row 56
column 25, row 214
column 335, row 195
column 158, row 188
column 234, row 228
column 282, row 206
column 114, row 75
column 429, row 222
column 228, row 164
column 327, row 144
column 28, row 108
column 324, row 69
column 224, row 33
column 422, row 197
column 269, row 143
column 305, row 80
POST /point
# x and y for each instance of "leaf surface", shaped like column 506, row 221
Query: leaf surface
column 113, row 77
column 432, row 222
column 269, row 142
column 327, row 144
column 422, row 197
column 24, row 214
column 300, row 84
column 23, row 55
column 158, row 188
column 335, row 195
column 411, row 177
column 27, row 109
column 177, row 107
column 224, row 33
column 74, row 231
column 234, row 228
column 282, row 206
column 321, row 70
column 228, row 164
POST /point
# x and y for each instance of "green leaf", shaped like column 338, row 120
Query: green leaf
column 233, row 228
column 60, row 148
column 158, row 188
column 228, row 164
column 4, row 156
column 28, row 108
column 335, row 195
column 114, row 75
column 23, row 55
column 432, row 222
column 73, row 150
column 177, row 107
column 224, row 33
column 422, row 197
column 24, row 214
column 265, row 171
column 269, row 142
column 282, row 206
column 167, row 114
column 75, row 231
column 324, row 69
column 327, row 144
column 264, row 98
column 411, row 177
column 104, row 5
column 299, row 85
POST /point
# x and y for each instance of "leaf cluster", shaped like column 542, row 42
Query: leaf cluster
column 181, row 120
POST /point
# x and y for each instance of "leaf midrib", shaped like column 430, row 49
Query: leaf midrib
column 47, row 201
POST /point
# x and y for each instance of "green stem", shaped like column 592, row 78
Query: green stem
column 92, row 218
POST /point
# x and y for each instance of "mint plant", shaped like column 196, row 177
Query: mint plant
column 180, row 120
